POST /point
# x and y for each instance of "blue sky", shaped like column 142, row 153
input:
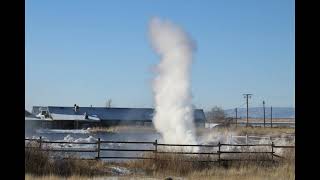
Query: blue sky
column 83, row 52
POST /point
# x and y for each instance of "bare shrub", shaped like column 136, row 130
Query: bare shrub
column 41, row 163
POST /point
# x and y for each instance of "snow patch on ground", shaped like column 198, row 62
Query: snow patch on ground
column 69, row 131
column 89, row 139
column 69, row 138
column 233, row 138
column 120, row 170
column 211, row 125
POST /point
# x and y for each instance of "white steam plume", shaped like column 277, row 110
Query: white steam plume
column 173, row 101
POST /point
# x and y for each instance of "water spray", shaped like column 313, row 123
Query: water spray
column 171, row 87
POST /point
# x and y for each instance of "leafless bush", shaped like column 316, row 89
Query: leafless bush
column 41, row 163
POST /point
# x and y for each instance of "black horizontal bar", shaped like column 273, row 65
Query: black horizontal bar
column 188, row 160
column 118, row 157
column 186, row 153
column 245, row 145
column 129, row 142
column 68, row 150
column 197, row 145
column 126, row 150
column 284, row 146
column 242, row 152
column 246, row 160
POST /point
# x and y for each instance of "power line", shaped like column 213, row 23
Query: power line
column 241, row 105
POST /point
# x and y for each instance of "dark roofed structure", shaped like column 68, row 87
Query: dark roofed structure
column 30, row 116
column 27, row 113
column 104, row 115
column 32, row 121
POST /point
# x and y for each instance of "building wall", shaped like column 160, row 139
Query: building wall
column 72, row 124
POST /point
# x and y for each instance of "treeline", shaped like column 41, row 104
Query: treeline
column 217, row 115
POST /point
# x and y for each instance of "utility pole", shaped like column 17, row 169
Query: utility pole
column 108, row 103
column 247, row 96
column 236, row 116
column 264, row 114
column 271, row 116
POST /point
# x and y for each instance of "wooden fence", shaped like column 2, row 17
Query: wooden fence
column 155, row 150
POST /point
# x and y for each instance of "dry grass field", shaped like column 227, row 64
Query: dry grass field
column 284, row 171
column 39, row 166
column 237, row 130
column 260, row 120
column 122, row 128
column 257, row 131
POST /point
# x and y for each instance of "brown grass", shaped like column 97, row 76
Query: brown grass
column 189, row 165
column 283, row 171
column 276, row 131
column 39, row 163
column 263, row 131
column 175, row 166
column 77, row 177
column 122, row 128
column 260, row 120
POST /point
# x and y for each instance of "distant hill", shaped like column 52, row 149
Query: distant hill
column 257, row 112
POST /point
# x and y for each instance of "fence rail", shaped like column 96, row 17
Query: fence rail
column 189, row 145
column 155, row 150
column 283, row 146
column 128, row 142
column 245, row 144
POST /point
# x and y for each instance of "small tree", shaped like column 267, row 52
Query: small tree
column 216, row 114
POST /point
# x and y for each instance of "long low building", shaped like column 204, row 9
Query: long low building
column 79, row 117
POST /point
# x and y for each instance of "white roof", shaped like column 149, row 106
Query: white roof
column 73, row 117
column 103, row 113
column 32, row 119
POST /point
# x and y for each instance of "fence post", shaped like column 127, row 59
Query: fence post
column 272, row 152
column 40, row 142
column 219, row 145
column 246, row 138
column 155, row 148
column 271, row 116
column 98, row 148
column 236, row 116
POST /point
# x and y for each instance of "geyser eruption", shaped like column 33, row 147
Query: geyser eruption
column 172, row 94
